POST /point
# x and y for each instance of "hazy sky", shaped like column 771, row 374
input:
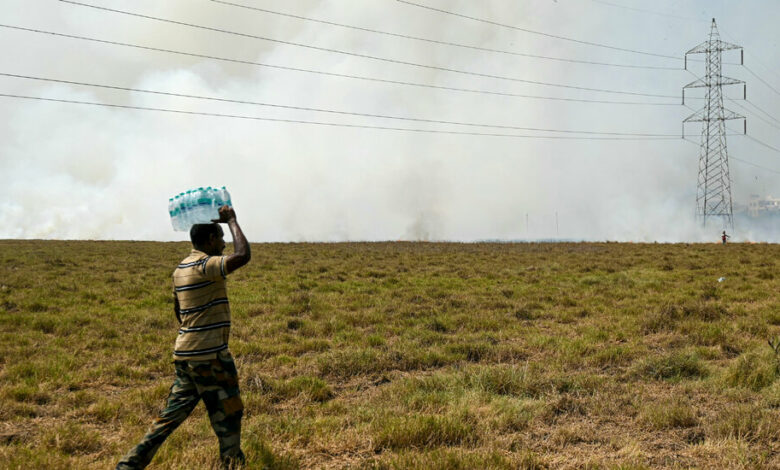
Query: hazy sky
column 88, row 172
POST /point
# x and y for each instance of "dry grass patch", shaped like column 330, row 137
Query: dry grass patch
column 749, row 422
column 673, row 366
column 754, row 370
column 669, row 413
column 458, row 460
column 417, row 431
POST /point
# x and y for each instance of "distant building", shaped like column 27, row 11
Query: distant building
column 758, row 207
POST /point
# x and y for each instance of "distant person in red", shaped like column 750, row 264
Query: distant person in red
column 724, row 237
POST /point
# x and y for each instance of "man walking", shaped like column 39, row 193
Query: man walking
column 203, row 364
column 724, row 237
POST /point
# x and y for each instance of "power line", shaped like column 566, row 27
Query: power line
column 768, row 68
column 331, row 74
column 753, row 113
column 755, row 165
column 653, row 12
column 761, row 79
column 763, row 144
column 739, row 159
column 444, row 43
column 329, row 124
column 753, row 56
column 740, row 134
column 322, row 110
column 756, row 106
column 494, row 23
column 761, row 110
column 603, row 2
column 366, row 56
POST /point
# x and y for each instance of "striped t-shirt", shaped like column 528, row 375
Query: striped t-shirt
column 199, row 286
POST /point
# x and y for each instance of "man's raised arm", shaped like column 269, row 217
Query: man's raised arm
column 241, row 254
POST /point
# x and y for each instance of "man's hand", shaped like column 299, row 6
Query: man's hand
column 226, row 214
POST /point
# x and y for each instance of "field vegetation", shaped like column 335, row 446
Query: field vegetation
column 405, row 355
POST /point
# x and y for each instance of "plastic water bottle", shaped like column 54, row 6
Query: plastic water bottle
column 224, row 197
column 182, row 215
column 213, row 208
column 196, row 211
column 192, row 206
column 187, row 211
column 203, row 204
column 173, row 211
column 180, row 224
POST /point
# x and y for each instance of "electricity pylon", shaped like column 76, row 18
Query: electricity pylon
column 713, row 193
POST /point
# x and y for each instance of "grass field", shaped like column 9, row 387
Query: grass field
column 405, row 355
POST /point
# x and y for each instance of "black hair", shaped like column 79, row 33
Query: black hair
column 200, row 233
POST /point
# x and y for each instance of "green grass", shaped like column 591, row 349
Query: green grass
column 405, row 355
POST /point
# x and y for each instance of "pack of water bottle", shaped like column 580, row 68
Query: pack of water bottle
column 197, row 206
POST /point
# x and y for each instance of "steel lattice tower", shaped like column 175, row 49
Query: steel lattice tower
column 713, row 193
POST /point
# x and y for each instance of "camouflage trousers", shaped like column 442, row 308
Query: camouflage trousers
column 216, row 382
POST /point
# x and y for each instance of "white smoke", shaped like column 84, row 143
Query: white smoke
column 77, row 171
